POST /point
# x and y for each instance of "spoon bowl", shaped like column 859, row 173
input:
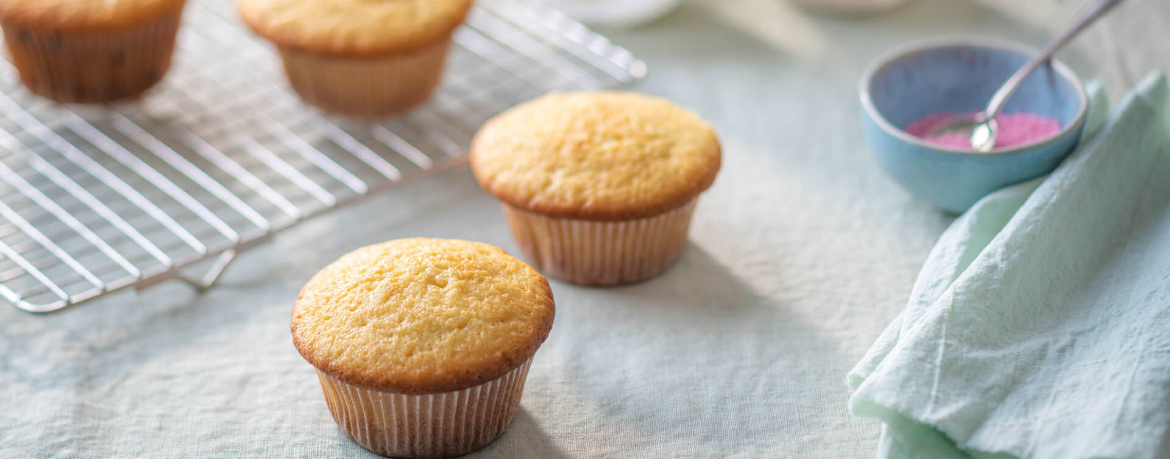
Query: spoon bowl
column 984, row 135
column 982, row 131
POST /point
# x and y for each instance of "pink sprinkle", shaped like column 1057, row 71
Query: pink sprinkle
column 1014, row 129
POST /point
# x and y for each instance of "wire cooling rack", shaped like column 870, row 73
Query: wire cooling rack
column 222, row 156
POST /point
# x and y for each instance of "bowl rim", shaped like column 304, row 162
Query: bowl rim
column 954, row 41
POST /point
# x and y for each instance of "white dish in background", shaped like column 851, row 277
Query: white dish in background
column 615, row 13
column 851, row 6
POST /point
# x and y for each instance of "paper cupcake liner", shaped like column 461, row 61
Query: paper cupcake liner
column 93, row 67
column 601, row 252
column 367, row 87
column 429, row 425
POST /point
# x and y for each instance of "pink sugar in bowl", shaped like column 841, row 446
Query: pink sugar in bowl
column 910, row 89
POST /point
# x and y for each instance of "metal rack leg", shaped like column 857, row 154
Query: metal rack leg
column 214, row 273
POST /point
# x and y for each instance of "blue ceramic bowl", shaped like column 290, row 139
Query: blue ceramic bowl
column 959, row 75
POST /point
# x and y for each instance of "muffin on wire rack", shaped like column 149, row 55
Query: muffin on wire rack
column 422, row 346
column 90, row 51
column 598, row 187
column 358, row 57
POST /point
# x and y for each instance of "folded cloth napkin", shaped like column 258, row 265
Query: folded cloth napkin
column 1039, row 327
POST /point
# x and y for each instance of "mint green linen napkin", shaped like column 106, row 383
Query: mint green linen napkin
column 1039, row 327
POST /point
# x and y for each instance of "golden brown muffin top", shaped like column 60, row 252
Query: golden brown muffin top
column 596, row 156
column 354, row 27
column 85, row 15
column 422, row 315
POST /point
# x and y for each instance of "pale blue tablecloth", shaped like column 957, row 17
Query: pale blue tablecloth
column 800, row 255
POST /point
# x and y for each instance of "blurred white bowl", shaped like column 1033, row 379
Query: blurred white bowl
column 850, row 7
column 615, row 13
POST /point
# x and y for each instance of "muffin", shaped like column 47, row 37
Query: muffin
column 422, row 346
column 90, row 51
column 598, row 187
column 359, row 57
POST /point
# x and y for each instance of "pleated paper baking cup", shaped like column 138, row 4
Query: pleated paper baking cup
column 428, row 425
column 590, row 252
column 92, row 67
column 367, row 87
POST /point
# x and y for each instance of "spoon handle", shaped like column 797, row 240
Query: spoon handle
column 1090, row 14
